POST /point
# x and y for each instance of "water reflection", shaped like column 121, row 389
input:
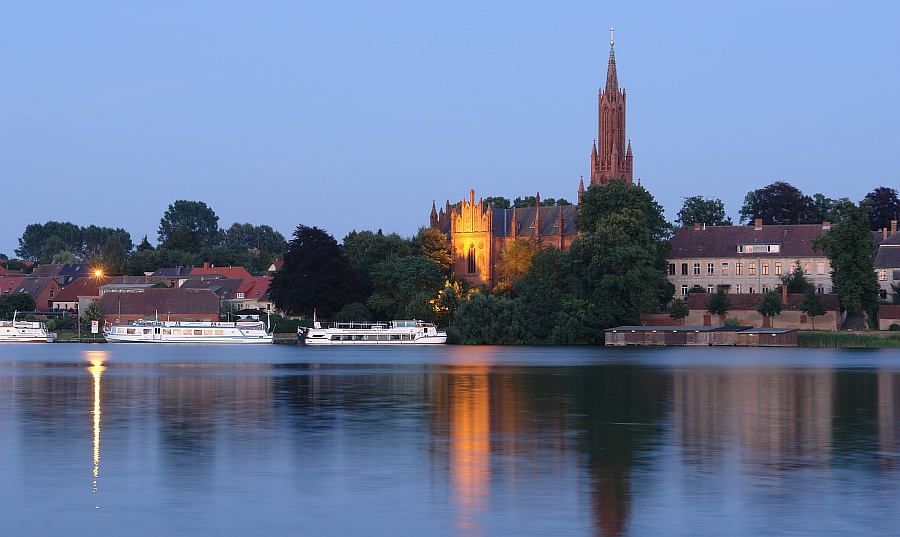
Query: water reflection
column 476, row 448
column 96, row 370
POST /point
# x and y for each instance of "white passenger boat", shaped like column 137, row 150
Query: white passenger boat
column 373, row 333
column 25, row 331
column 188, row 332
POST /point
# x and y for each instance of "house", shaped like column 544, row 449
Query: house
column 68, row 298
column 888, row 314
column 64, row 273
column 253, row 293
column 275, row 266
column 746, row 259
column 42, row 289
column 887, row 260
column 236, row 273
column 160, row 303
column 225, row 288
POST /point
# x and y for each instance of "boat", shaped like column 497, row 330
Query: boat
column 16, row 331
column 188, row 332
column 404, row 332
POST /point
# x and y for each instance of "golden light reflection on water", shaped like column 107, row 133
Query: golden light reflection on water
column 96, row 369
column 470, row 444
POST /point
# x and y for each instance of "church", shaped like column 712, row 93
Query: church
column 478, row 234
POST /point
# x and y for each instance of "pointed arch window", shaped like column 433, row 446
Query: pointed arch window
column 471, row 259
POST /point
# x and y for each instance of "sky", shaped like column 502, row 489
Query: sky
column 351, row 115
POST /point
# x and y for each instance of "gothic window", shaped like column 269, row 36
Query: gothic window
column 471, row 260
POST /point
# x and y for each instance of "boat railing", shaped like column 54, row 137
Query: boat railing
column 370, row 325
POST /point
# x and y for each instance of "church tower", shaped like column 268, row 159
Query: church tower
column 611, row 157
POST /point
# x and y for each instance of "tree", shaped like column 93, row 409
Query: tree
column 719, row 302
column 263, row 239
column 812, row 306
column 316, row 275
column 514, row 262
column 778, row 203
column 827, row 208
column 497, row 202
column 679, row 310
column 13, row 302
column 883, row 207
column 365, row 250
column 850, row 248
column 33, row 244
column 189, row 226
column 91, row 313
column 355, row 312
column 700, row 210
column 432, row 244
column 770, row 305
column 403, row 284
column 145, row 245
column 599, row 201
column 796, row 281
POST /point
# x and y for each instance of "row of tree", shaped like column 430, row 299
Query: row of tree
column 188, row 234
column 783, row 203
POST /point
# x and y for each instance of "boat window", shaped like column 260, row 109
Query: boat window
column 220, row 332
column 346, row 338
column 207, row 332
column 198, row 332
column 335, row 338
column 395, row 337
column 146, row 330
column 358, row 337
column 383, row 337
column 167, row 331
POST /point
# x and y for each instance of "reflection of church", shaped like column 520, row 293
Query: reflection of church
column 478, row 234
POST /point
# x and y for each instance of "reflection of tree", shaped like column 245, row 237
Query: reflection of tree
column 621, row 408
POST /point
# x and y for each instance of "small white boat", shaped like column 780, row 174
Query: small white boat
column 188, row 332
column 25, row 331
column 373, row 333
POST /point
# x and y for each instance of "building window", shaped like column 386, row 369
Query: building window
column 671, row 269
column 751, row 269
column 738, row 288
column 239, row 295
column 883, row 294
column 739, row 268
column 778, row 268
column 765, row 289
column 806, row 268
column 710, row 269
column 821, row 289
column 765, row 269
column 471, row 266
column 709, row 289
column 820, row 268
column 684, row 269
column 684, row 290
column 751, row 289
column 724, row 269
column 882, row 277
column 696, row 269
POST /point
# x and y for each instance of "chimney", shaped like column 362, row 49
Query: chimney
column 758, row 224
column 884, row 233
column 826, row 225
column 206, row 265
column 697, row 226
column 893, row 227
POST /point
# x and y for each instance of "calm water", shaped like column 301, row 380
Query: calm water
column 284, row 440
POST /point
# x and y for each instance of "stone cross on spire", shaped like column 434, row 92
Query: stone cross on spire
column 611, row 40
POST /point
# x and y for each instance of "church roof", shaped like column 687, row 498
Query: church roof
column 525, row 220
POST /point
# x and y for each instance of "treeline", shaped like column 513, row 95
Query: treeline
column 189, row 234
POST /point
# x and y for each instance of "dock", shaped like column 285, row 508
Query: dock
column 687, row 336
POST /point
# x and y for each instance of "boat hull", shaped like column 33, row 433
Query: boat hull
column 189, row 333
column 401, row 332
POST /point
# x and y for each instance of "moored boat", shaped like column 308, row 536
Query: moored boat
column 189, row 332
column 404, row 332
column 25, row 331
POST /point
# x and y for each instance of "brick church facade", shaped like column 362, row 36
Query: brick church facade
column 478, row 233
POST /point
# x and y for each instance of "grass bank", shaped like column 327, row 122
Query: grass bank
column 871, row 340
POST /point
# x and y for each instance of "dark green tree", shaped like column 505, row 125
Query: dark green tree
column 63, row 235
column 91, row 313
column 778, row 203
column 316, row 275
column 812, row 306
column 796, row 281
column 679, row 310
column 403, row 284
column 770, row 305
column 498, row 202
column 883, row 207
column 355, row 312
column 113, row 257
column 13, row 302
column 432, row 244
column 486, row 319
column 850, row 248
column 145, row 245
column 700, row 210
column 523, row 202
column 143, row 261
column 263, row 239
column 827, row 208
column 599, row 201
column 189, row 226
column 719, row 302
column 365, row 250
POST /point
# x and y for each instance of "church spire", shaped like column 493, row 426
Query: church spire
column 612, row 80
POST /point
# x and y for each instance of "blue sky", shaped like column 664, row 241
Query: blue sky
column 356, row 115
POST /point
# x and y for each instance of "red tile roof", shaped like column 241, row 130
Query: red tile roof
column 255, row 288
column 160, row 301
column 237, row 273
column 722, row 241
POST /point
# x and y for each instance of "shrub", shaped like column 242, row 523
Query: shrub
column 894, row 327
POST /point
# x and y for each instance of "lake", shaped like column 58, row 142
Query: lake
column 138, row 440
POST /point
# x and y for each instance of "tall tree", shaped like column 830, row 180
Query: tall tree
column 316, row 275
column 365, row 250
column 243, row 237
column 11, row 303
column 403, row 284
column 432, row 244
column 883, row 206
column 850, row 248
column 778, row 203
column 679, row 310
column 719, row 302
column 700, row 210
column 812, row 306
column 599, row 201
column 514, row 261
column 827, row 208
column 497, row 202
column 189, row 226
column 796, row 281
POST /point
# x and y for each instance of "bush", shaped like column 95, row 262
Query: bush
column 894, row 327
column 731, row 321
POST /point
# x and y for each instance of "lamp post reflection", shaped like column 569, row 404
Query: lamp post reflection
column 96, row 370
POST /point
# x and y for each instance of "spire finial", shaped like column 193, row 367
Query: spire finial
column 611, row 32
